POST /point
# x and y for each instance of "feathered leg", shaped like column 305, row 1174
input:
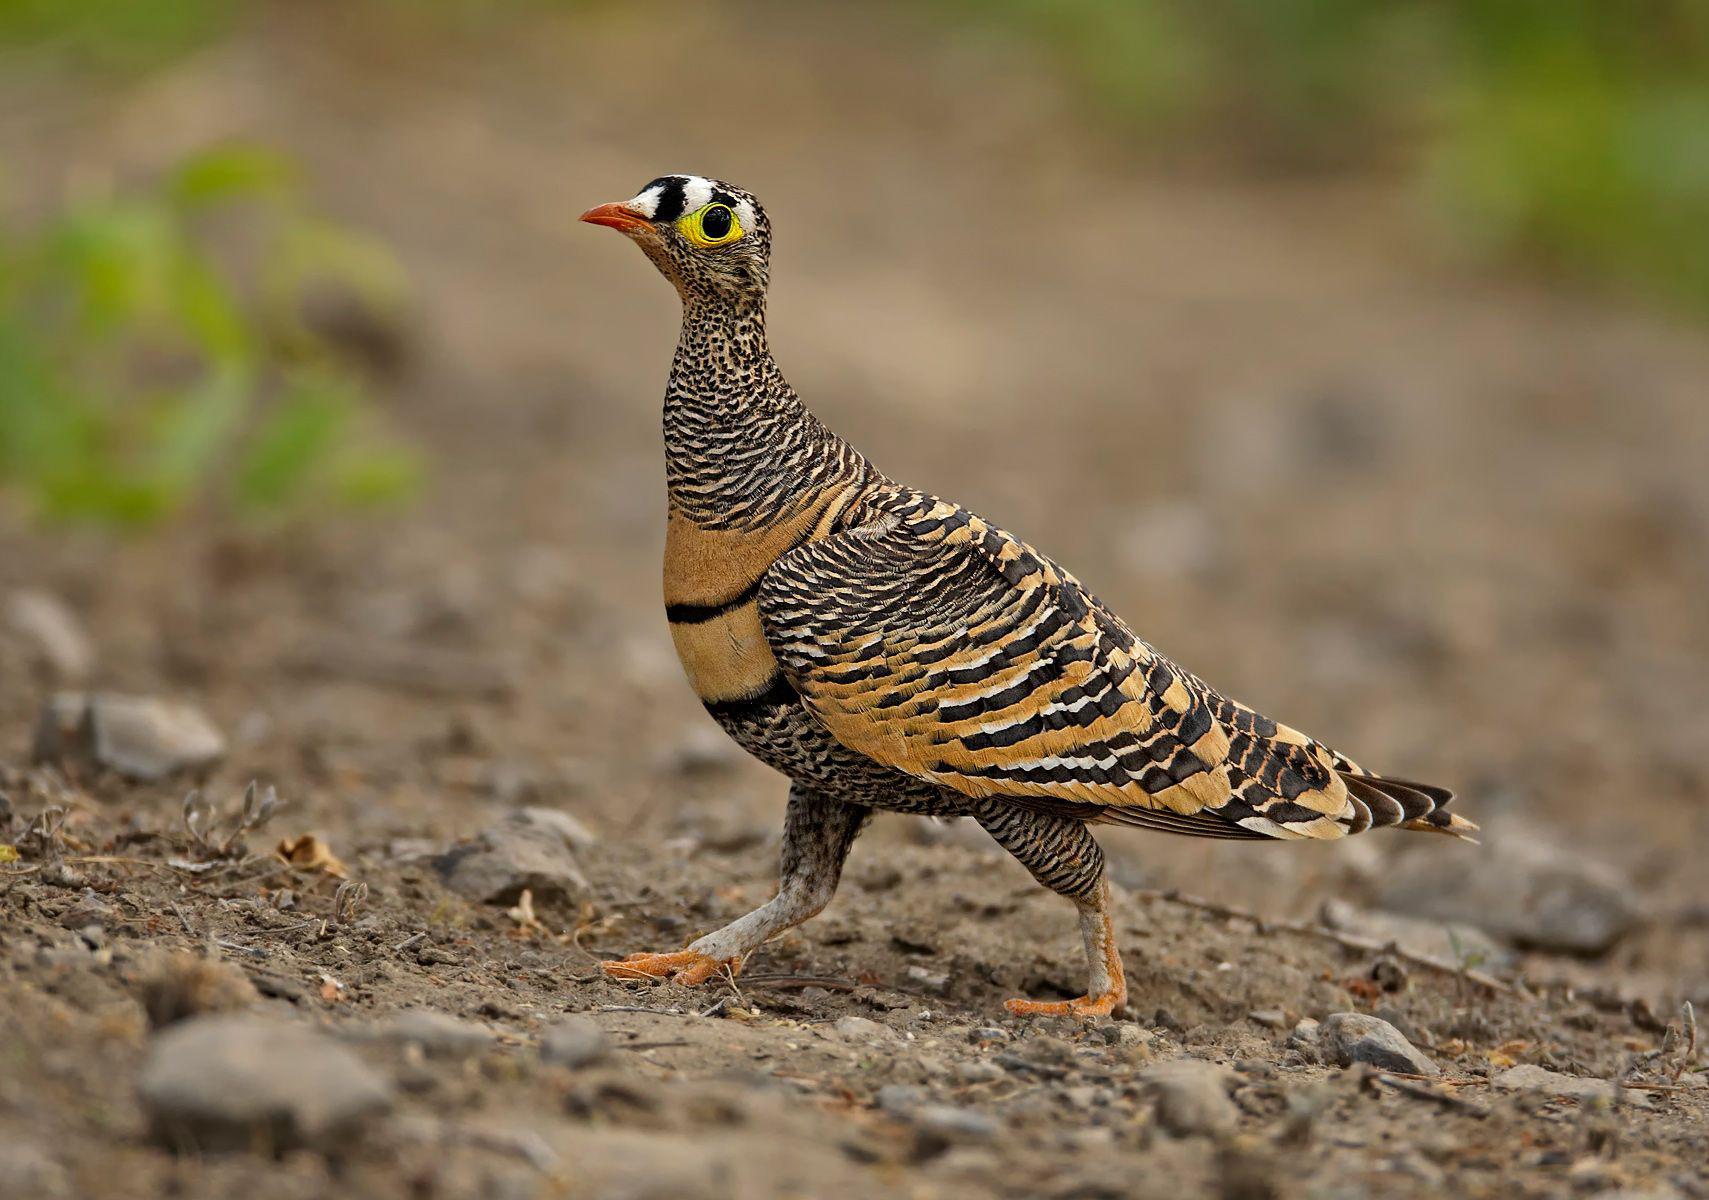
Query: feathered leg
column 1062, row 854
column 817, row 835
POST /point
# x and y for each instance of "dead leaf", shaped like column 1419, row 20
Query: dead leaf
column 309, row 853
column 331, row 990
column 8, row 853
column 523, row 915
column 1507, row 1054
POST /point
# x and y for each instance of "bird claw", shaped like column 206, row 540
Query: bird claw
column 687, row 967
column 1081, row 1006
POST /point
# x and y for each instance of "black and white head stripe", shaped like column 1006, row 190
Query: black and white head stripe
column 670, row 196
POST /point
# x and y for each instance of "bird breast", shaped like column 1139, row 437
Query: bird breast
column 711, row 578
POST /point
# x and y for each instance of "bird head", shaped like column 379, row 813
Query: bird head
column 709, row 239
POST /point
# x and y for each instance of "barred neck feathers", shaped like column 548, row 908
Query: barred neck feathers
column 741, row 449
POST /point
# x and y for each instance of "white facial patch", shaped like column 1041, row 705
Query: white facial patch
column 647, row 203
column 745, row 214
column 696, row 193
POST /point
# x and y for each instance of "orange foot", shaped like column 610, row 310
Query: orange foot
column 687, row 967
column 1082, row 1006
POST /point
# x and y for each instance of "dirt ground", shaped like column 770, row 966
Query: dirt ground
column 1455, row 525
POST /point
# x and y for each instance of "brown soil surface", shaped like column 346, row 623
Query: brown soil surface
column 1453, row 525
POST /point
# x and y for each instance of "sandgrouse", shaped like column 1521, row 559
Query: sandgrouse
column 886, row 649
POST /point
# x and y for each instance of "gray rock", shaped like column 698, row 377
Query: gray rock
column 864, row 1029
column 1525, row 888
column 1527, row 1077
column 141, row 737
column 90, row 911
column 1191, row 1097
column 522, row 852
column 575, row 1043
column 898, row 1098
column 176, row 987
column 56, row 637
column 952, row 1123
column 935, row 982
column 1347, row 1038
column 977, row 1070
column 1448, row 941
column 243, row 1082
column 438, row 1035
column 575, row 835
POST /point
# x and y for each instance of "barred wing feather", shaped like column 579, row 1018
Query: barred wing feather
column 943, row 647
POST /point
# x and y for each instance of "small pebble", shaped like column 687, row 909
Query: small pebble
column 936, row 982
column 864, row 1029
column 952, row 1123
column 1347, row 1038
column 898, row 1098
column 575, row 1042
column 1191, row 1097
column 435, row 1034
column 978, row 1070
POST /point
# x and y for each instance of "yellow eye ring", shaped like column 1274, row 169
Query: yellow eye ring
column 712, row 225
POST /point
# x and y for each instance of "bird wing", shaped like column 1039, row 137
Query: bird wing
column 941, row 646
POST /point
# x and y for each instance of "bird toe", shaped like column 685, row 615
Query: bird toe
column 1081, row 1006
column 687, row 967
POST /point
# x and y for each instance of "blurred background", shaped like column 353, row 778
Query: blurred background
column 1355, row 351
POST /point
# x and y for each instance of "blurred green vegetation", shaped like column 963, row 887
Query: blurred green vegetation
column 1567, row 135
column 156, row 354
column 1570, row 135
column 113, row 33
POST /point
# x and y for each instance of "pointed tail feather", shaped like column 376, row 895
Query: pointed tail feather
column 1410, row 805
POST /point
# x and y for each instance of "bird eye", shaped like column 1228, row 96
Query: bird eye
column 714, row 225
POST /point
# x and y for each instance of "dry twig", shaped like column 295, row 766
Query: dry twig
column 1410, row 1086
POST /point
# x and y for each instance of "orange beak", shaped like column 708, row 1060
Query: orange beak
column 617, row 216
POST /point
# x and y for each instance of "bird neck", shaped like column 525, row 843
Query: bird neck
column 740, row 447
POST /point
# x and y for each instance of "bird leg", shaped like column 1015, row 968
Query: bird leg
column 1062, row 854
column 1106, row 987
column 817, row 835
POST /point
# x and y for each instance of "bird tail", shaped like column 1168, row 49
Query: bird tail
column 1409, row 805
